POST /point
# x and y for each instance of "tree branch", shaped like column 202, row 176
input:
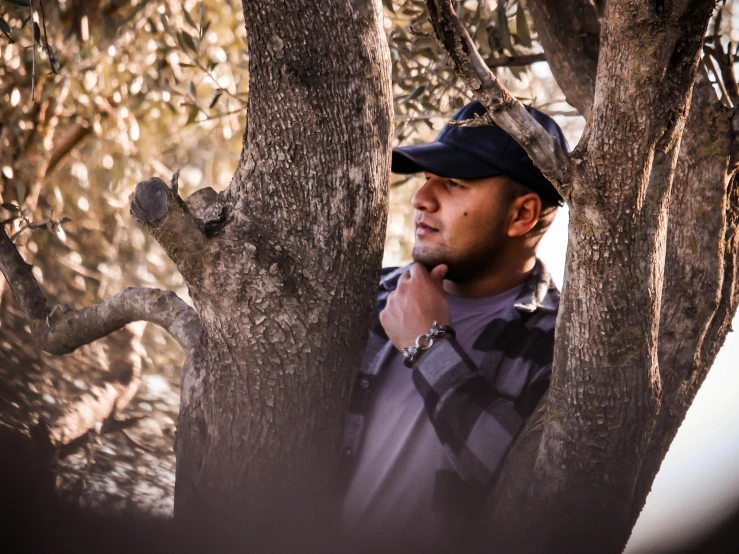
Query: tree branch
column 516, row 61
column 569, row 31
column 164, row 308
column 68, row 141
column 97, row 405
column 507, row 112
column 63, row 330
column 26, row 289
column 160, row 210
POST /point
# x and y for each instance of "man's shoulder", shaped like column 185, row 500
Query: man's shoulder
column 539, row 293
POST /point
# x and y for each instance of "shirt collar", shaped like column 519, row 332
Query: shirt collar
column 533, row 295
column 534, row 292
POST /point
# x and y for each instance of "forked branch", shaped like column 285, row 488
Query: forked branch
column 507, row 112
column 63, row 330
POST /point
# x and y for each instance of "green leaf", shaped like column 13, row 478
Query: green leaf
column 4, row 27
column 24, row 3
column 518, row 72
column 186, row 41
column 191, row 90
column 163, row 19
column 36, row 33
column 10, row 207
column 215, row 99
column 415, row 94
column 483, row 40
column 9, row 220
column 188, row 18
column 61, row 235
column 20, row 190
column 192, row 115
column 522, row 28
column 501, row 24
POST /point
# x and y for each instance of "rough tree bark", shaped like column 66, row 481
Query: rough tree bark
column 284, row 284
column 646, row 304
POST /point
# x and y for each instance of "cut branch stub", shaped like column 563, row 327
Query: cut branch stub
column 161, row 211
column 507, row 112
column 150, row 200
column 210, row 210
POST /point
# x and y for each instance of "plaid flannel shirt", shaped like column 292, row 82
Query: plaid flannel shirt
column 477, row 401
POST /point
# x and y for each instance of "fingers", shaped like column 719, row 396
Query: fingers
column 437, row 274
column 416, row 269
column 419, row 271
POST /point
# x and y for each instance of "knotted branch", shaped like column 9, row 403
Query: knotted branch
column 507, row 112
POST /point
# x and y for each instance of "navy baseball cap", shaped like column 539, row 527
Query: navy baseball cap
column 479, row 152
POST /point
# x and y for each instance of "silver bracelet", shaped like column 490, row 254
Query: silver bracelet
column 424, row 342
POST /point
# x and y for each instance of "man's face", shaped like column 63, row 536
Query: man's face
column 460, row 223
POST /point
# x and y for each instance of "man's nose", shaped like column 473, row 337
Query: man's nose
column 425, row 199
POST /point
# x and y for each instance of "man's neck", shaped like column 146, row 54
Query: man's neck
column 505, row 276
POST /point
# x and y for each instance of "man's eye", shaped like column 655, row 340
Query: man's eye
column 454, row 184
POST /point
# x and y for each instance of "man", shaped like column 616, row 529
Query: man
column 422, row 446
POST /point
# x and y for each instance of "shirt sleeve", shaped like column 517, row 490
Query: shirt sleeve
column 475, row 422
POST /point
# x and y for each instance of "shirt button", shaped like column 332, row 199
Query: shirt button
column 364, row 383
column 346, row 452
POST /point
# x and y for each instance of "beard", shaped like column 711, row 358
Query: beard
column 479, row 260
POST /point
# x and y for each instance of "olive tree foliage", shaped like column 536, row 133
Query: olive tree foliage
column 72, row 146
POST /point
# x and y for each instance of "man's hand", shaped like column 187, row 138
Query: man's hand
column 415, row 304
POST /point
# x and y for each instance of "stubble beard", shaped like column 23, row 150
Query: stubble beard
column 464, row 266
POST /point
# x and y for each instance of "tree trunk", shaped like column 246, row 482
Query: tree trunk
column 625, row 376
column 285, row 288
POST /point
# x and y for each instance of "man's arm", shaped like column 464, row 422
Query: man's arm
column 476, row 423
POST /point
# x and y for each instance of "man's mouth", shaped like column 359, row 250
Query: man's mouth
column 424, row 229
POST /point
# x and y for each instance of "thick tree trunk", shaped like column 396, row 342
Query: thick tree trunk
column 698, row 298
column 285, row 288
column 625, row 377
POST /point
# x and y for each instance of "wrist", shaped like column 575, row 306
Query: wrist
column 425, row 342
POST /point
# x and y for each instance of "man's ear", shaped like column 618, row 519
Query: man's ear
column 524, row 214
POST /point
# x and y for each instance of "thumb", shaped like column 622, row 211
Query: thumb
column 437, row 274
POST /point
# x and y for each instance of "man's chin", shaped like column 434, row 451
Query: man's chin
column 428, row 259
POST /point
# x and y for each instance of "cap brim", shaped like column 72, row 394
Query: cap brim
column 441, row 159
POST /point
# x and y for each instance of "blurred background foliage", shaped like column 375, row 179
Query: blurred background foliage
column 98, row 95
